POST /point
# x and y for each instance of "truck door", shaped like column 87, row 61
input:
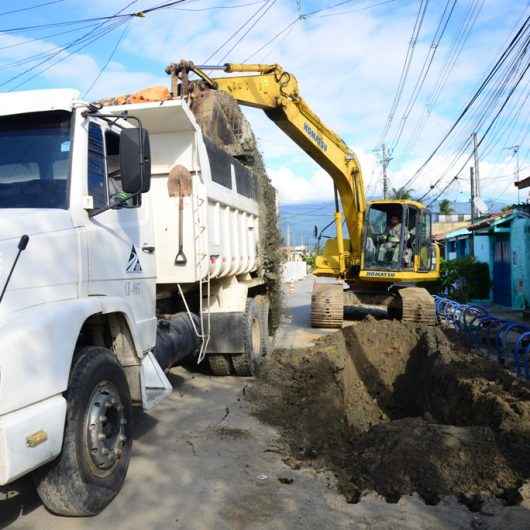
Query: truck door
column 121, row 240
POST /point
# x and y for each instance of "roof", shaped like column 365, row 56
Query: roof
column 523, row 183
column 408, row 202
column 25, row 101
column 461, row 232
column 494, row 220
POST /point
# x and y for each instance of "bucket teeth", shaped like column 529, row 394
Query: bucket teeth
column 327, row 306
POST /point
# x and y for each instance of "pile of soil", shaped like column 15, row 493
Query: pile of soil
column 222, row 121
column 400, row 408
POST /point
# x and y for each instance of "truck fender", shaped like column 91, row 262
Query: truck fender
column 38, row 346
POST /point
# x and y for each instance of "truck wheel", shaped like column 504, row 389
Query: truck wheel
column 97, row 444
column 247, row 364
column 219, row 365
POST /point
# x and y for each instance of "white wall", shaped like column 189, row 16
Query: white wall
column 293, row 271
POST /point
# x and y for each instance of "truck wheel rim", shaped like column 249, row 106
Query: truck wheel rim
column 105, row 427
column 255, row 333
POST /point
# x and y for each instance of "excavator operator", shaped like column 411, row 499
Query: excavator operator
column 389, row 241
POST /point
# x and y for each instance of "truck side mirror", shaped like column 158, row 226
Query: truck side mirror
column 135, row 160
column 315, row 231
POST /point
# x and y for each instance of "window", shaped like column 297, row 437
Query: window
column 245, row 181
column 97, row 185
column 35, row 160
column 383, row 237
column 104, row 176
column 220, row 164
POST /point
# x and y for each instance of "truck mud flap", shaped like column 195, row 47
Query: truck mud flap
column 226, row 333
column 154, row 383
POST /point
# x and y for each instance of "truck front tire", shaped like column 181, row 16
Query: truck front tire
column 93, row 464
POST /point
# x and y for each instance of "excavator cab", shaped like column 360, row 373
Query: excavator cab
column 397, row 242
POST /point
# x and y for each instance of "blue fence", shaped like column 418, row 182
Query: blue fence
column 508, row 340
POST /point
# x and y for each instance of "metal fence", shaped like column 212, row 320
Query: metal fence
column 508, row 340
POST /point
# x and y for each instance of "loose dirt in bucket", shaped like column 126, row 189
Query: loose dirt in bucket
column 400, row 408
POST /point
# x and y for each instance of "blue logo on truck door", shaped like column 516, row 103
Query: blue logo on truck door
column 134, row 262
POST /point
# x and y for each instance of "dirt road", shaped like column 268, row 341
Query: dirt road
column 202, row 462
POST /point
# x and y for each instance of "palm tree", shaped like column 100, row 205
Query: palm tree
column 402, row 193
column 445, row 207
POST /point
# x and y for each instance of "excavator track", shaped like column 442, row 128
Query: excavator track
column 327, row 306
column 415, row 304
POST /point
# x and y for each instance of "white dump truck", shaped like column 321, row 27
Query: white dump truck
column 128, row 243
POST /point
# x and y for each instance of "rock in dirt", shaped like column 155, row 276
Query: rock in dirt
column 399, row 408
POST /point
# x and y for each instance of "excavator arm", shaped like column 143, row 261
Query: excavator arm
column 275, row 91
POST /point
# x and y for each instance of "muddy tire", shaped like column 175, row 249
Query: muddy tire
column 97, row 444
column 220, row 365
column 254, row 340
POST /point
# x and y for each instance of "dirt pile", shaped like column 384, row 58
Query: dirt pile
column 400, row 408
column 223, row 122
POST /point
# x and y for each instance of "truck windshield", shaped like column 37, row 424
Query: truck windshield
column 34, row 160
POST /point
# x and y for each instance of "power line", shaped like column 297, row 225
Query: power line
column 305, row 16
column 364, row 8
column 104, row 67
column 20, row 10
column 444, row 75
column 87, row 38
column 252, row 26
column 279, row 34
column 139, row 14
column 427, row 64
column 493, row 121
column 418, row 23
column 212, row 8
column 238, row 30
column 476, row 95
column 49, row 36
column 101, row 30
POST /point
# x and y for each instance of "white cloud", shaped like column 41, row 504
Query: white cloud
column 348, row 67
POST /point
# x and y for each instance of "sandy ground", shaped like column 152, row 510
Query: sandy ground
column 202, row 462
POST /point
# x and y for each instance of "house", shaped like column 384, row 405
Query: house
column 503, row 241
column 455, row 243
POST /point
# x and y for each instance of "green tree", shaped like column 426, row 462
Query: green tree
column 445, row 207
column 402, row 193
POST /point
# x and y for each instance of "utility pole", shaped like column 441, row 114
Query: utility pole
column 476, row 164
column 385, row 160
column 472, row 206
column 515, row 149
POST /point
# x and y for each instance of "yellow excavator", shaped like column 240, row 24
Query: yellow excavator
column 390, row 248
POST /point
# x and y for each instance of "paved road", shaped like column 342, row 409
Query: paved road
column 197, row 468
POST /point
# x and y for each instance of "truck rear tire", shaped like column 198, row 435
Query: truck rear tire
column 220, row 365
column 255, row 340
column 97, row 444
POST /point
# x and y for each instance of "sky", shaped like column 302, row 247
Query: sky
column 348, row 61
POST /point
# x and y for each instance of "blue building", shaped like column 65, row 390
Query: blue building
column 503, row 242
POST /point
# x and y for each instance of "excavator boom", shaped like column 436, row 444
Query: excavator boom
column 386, row 259
column 275, row 91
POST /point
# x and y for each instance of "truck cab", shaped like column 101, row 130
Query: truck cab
column 77, row 307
